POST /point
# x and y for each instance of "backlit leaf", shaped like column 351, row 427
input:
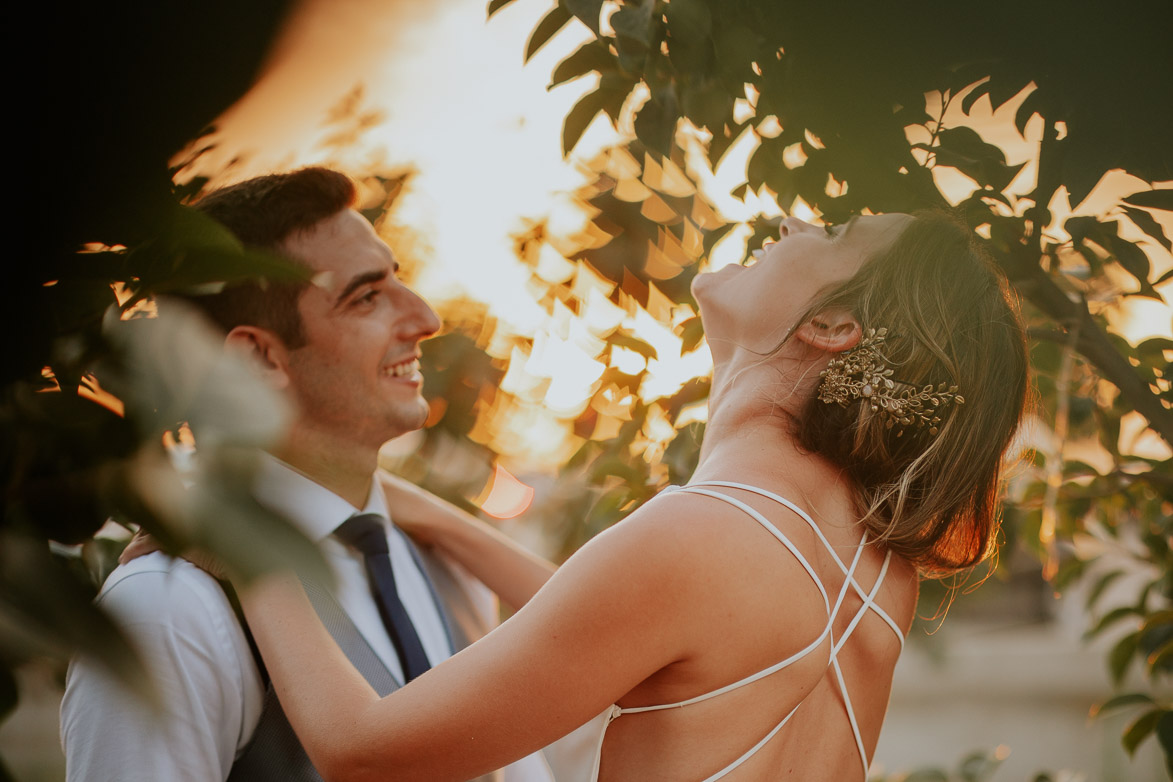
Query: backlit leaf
column 591, row 56
column 1099, row 587
column 579, row 117
column 586, row 11
column 655, row 123
column 1111, row 618
column 1145, row 222
column 1121, row 655
column 1121, row 701
column 1153, row 199
column 1140, row 729
column 497, row 5
column 551, row 23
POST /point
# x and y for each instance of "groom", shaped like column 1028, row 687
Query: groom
column 344, row 349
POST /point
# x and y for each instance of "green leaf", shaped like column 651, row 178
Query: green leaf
column 1153, row 199
column 633, row 343
column 689, row 20
column 978, row 767
column 1161, row 659
column 716, row 234
column 1165, row 736
column 496, row 5
column 692, row 331
column 1098, row 588
column 587, row 12
column 978, row 90
column 1156, row 619
column 551, row 23
column 49, row 611
column 1121, row 655
column 709, row 105
column 1081, row 228
column 1030, row 106
column 1131, row 257
column 633, row 21
column 655, row 123
column 1145, row 222
column 591, row 56
column 693, row 391
column 1140, row 729
column 579, row 117
column 962, row 148
column 1111, row 618
column 1152, row 350
column 690, row 45
column 1120, row 701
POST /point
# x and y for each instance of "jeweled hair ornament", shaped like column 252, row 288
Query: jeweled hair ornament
column 861, row 373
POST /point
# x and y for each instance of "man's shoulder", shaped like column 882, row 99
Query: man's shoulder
column 158, row 588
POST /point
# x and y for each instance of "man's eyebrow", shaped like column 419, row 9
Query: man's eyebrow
column 359, row 280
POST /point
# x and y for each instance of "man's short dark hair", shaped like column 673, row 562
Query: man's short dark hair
column 262, row 213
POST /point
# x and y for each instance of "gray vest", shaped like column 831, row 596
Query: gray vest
column 274, row 752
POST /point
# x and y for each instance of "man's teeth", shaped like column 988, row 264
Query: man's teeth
column 402, row 370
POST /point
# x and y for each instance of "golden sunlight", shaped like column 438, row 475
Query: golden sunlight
column 486, row 168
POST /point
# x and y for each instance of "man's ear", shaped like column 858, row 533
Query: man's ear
column 264, row 350
column 833, row 330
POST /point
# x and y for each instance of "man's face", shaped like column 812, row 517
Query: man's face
column 356, row 379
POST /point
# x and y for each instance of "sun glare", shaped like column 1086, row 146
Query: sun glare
column 487, row 168
column 506, row 496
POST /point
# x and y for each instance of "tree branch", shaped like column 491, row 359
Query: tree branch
column 1093, row 344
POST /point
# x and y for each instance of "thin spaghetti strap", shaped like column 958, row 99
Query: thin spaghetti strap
column 868, row 603
column 848, row 571
column 739, row 683
column 760, row 519
column 776, row 666
column 868, row 599
column 753, row 750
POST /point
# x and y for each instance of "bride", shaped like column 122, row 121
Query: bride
column 868, row 379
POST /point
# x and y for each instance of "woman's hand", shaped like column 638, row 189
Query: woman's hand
column 144, row 543
column 500, row 563
column 428, row 519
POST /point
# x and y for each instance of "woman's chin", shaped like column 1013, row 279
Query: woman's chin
column 704, row 281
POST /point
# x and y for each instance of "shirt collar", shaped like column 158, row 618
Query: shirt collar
column 309, row 506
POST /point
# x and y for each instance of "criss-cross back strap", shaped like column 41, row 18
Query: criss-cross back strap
column 802, row 561
column 868, row 602
column 867, row 596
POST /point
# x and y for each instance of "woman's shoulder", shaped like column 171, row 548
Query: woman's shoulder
column 691, row 533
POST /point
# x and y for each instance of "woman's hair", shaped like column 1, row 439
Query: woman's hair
column 930, row 496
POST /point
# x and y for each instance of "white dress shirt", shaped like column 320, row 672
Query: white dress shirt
column 210, row 691
column 317, row 512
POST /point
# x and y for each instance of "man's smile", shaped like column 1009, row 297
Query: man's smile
column 403, row 369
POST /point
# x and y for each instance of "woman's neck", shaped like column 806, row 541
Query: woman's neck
column 753, row 408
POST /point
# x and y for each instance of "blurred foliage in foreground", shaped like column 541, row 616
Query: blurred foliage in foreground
column 77, row 306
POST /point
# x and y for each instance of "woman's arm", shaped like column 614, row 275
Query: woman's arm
column 609, row 618
column 499, row 562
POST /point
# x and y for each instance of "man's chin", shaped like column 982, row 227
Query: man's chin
column 409, row 420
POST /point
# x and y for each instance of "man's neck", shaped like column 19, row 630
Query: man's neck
column 347, row 471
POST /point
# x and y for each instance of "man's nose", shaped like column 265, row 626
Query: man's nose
column 424, row 320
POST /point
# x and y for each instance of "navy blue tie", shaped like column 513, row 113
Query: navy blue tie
column 365, row 532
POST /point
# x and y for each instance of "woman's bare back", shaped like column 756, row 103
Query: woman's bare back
column 762, row 609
